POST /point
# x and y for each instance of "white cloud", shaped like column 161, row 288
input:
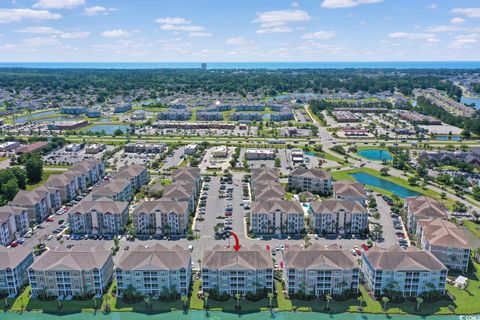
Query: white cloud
column 58, row 4
column 178, row 27
column 75, row 35
column 413, row 36
column 274, row 30
column 39, row 29
column 444, row 28
column 200, row 34
column 295, row 4
column 277, row 21
column 39, row 42
column 237, row 41
column 334, row 4
column 170, row 20
column 319, row 35
column 469, row 12
column 16, row 15
column 432, row 6
column 465, row 41
column 97, row 10
column 118, row 33
column 457, row 20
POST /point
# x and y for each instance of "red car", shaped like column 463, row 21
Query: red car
column 50, row 219
column 365, row 247
column 358, row 252
column 13, row 244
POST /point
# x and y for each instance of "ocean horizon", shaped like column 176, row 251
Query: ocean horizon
column 249, row 65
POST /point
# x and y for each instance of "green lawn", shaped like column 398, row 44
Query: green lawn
column 473, row 227
column 195, row 302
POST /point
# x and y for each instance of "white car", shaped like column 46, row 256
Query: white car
column 49, row 237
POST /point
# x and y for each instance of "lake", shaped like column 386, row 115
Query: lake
column 469, row 101
column 215, row 315
column 375, row 154
column 34, row 116
column 394, row 188
column 447, row 138
column 108, row 128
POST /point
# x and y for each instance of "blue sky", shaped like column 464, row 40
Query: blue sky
column 246, row 30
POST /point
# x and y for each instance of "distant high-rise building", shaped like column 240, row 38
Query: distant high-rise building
column 204, row 66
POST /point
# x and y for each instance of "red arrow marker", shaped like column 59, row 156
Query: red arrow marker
column 237, row 242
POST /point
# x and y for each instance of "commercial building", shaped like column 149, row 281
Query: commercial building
column 79, row 271
column 14, row 223
column 14, row 263
column 67, row 125
column 320, row 271
column 73, row 147
column 32, row 148
column 297, row 155
column 99, row 217
column 9, row 146
column 95, row 148
column 259, row 154
column 446, row 241
column 423, row 207
column 350, row 190
column 409, row 271
column 152, row 270
column 312, row 180
column 233, row 272
column 161, row 217
column 123, row 108
column 190, row 149
column 346, row 116
column 276, row 217
column 72, row 110
column 341, row 217
column 143, row 147
column 220, row 152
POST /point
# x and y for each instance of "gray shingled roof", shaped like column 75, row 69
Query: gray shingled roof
column 318, row 259
column 79, row 258
column 443, row 233
column 100, row 205
column 11, row 257
column 310, row 173
column 163, row 205
column 334, row 205
column 272, row 205
column 253, row 258
column 349, row 188
column 426, row 207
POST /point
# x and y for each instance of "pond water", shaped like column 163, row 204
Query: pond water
column 447, row 138
column 34, row 116
column 469, row 101
column 216, row 315
column 104, row 120
column 108, row 128
column 375, row 154
column 394, row 188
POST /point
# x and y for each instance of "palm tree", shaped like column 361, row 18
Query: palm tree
column 451, row 307
column 6, row 303
column 205, row 300
column 184, row 299
column 385, row 300
column 59, row 304
column 360, row 300
column 270, row 298
column 147, row 301
column 94, row 303
column 328, row 297
column 419, row 302
column 238, row 296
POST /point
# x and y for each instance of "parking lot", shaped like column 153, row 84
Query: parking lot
column 174, row 159
column 63, row 157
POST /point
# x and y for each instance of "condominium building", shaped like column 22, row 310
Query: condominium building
column 263, row 174
column 350, row 190
column 137, row 174
column 268, row 190
column 154, row 269
column 234, row 272
column 14, row 223
column 116, row 190
column 276, row 217
column 66, row 185
column 312, row 180
column 92, row 170
column 188, row 174
column 423, row 207
column 320, row 270
column 408, row 271
column 39, row 202
column 181, row 191
column 334, row 216
column 81, row 270
column 14, row 263
column 161, row 217
column 100, row 217
column 445, row 241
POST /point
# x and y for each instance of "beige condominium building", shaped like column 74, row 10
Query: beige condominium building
column 423, row 207
column 153, row 270
column 81, row 270
column 100, row 217
column 334, row 216
column 136, row 174
column 161, row 217
column 350, row 190
column 277, row 217
column 14, row 263
column 240, row 272
column 320, row 270
column 408, row 271
column 14, row 223
column 445, row 241
column 311, row 180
